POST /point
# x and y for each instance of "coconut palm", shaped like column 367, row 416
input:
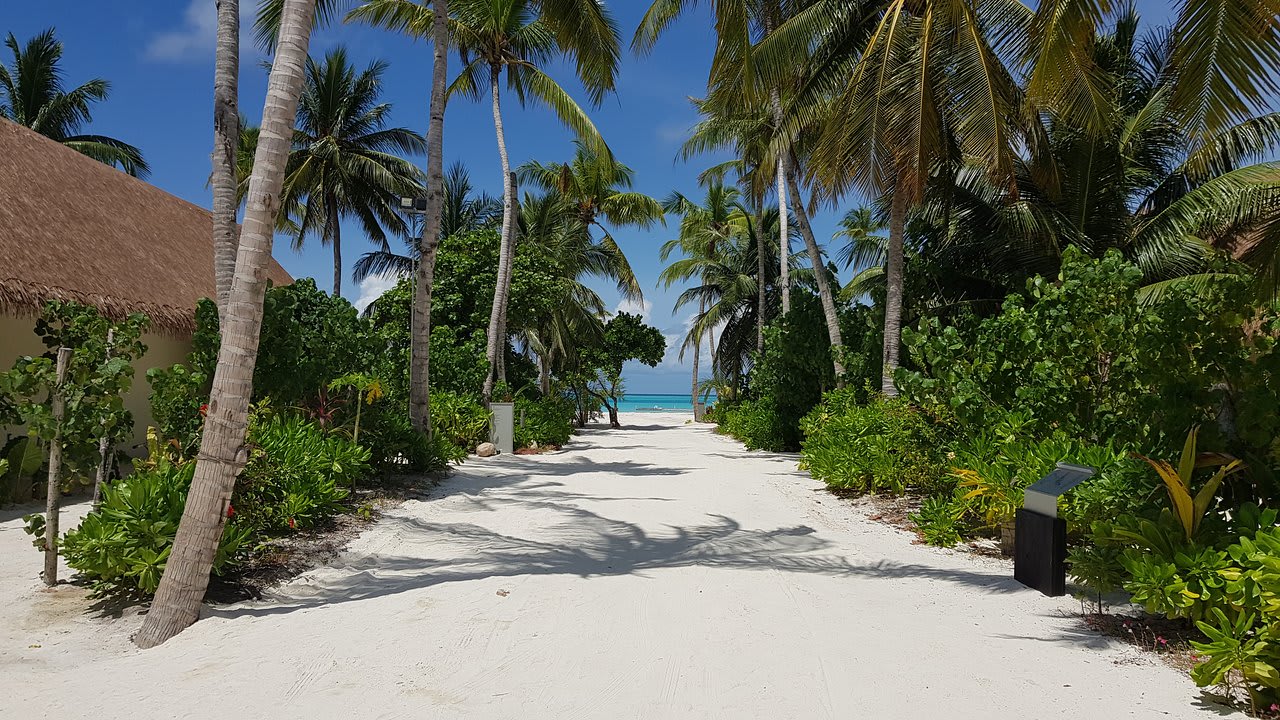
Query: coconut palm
column 186, row 576
column 32, row 94
column 497, row 37
column 226, row 138
column 704, row 228
column 463, row 211
column 896, row 91
column 344, row 163
column 595, row 188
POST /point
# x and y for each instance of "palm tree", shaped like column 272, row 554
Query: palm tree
column 222, row 446
column 595, row 188
column 32, row 94
column 343, row 164
column 895, row 95
column 226, row 139
column 863, row 245
column 463, row 211
column 704, row 228
column 510, row 36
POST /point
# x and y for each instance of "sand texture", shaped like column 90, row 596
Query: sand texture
column 658, row 571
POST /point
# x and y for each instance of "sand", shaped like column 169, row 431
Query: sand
column 659, row 571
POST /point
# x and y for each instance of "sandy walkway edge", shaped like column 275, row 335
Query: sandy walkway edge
column 658, row 571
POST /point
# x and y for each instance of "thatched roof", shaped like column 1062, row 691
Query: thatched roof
column 72, row 228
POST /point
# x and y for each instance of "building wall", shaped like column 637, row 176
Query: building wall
column 17, row 340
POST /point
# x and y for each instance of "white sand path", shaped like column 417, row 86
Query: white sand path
column 658, row 571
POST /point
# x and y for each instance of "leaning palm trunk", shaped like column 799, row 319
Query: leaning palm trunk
column 820, row 276
column 512, row 205
column 893, row 293
column 420, row 353
column 222, row 448
column 226, row 136
column 497, row 316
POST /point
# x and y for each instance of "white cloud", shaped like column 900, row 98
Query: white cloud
column 641, row 308
column 372, row 287
column 194, row 39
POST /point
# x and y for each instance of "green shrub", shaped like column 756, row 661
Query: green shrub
column 885, row 445
column 939, row 520
column 395, row 446
column 124, row 544
column 297, row 475
column 760, row 426
column 545, row 421
column 460, row 420
column 1244, row 629
column 177, row 395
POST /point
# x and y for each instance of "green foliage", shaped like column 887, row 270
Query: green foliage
column 308, row 338
column 297, row 475
column 596, row 376
column 1244, row 631
column 787, row 381
column 23, row 459
column 939, row 520
column 178, row 396
column 1086, row 357
column 124, row 544
column 99, row 373
column 459, row 420
column 885, row 445
column 545, row 422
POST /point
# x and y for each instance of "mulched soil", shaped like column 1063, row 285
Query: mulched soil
column 283, row 558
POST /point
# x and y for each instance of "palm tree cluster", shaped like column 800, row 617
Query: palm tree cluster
column 989, row 136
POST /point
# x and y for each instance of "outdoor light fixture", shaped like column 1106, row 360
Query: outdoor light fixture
column 1040, row 536
column 413, row 204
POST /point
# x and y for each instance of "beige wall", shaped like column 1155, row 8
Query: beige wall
column 17, row 339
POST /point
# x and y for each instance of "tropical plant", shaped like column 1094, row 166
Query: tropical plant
column 368, row 390
column 32, row 94
column 126, row 543
column 1187, row 508
column 343, row 164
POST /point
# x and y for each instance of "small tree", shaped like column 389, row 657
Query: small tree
column 626, row 338
column 76, row 405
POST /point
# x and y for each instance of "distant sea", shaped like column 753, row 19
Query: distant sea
column 658, row 402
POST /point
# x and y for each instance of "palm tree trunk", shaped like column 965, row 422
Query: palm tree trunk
column 893, row 293
column 222, row 448
column 819, row 275
column 544, row 374
column 226, row 136
column 420, row 351
column 513, row 207
column 497, row 315
column 784, row 232
column 761, row 269
column 697, row 352
column 335, row 238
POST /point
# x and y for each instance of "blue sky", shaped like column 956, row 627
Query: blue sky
column 158, row 57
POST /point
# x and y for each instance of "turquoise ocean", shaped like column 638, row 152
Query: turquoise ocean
column 634, row 402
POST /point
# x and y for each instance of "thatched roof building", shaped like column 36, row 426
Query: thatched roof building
column 72, row 228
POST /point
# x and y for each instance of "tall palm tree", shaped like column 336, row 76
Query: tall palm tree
column 463, row 211
column 510, row 37
column 226, row 139
column 896, row 91
column 344, row 163
column 32, row 94
column 222, row 445
column 704, row 228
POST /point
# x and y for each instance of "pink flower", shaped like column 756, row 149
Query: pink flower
column 1161, row 640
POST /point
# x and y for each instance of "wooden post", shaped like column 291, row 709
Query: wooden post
column 103, row 444
column 54, row 497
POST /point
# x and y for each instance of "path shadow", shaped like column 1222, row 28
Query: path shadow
column 586, row 544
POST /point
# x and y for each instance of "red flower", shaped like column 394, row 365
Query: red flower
column 231, row 512
column 204, row 410
column 293, row 525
